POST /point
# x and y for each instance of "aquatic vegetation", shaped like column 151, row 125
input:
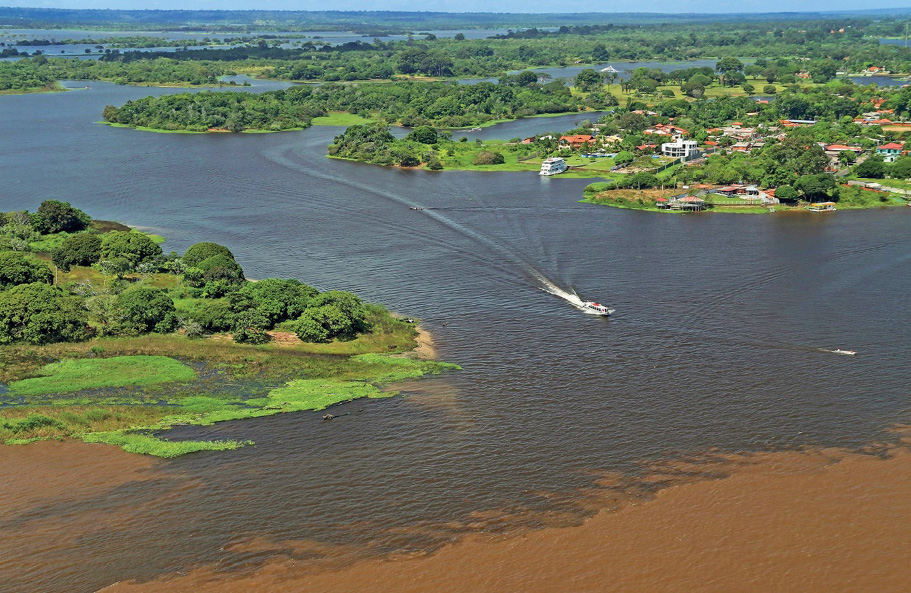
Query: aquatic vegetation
column 75, row 375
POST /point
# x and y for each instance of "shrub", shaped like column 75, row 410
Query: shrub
column 770, row 89
column 250, row 328
column 16, row 268
column 83, row 249
column 215, row 315
column 41, row 314
column 488, row 157
column 145, row 309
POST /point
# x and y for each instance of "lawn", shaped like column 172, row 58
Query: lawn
column 340, row 118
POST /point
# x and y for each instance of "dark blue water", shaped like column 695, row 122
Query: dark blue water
column 718, row 339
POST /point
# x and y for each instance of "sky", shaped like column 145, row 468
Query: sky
column 666, row 6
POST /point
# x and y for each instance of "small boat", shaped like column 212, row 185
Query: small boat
column 475, row 130
column 415, row 208
column 593, row 308
column 845, row 352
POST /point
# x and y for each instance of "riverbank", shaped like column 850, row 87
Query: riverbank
column 647, row 200
column 821, row 520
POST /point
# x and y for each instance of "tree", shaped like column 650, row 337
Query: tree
column 901, row 168
column 728, row 66
column 786, row 193
column 588, row 79
column 770, row 89
column 83, row 249
column 41, row 314
column 200, row 251
column 424, row 135
column 54, row 216
column 846, row 157
column 693, row 89
column 872, row 168
column 279, row 300
column 131, row 246
column 334, row 314
column 221, row 267
column 642, row 180
column 144, row 309
column 815, row 187
column 16, row 268
column 624, row 157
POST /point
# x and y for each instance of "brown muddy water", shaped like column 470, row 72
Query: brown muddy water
column 719, row 344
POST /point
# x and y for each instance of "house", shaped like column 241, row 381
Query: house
column 688, row 203
column 647, row 147
column 837, row 148
column 750, row 194
column 890, row 151
column 742, row 147
column 606, row 140
column 794, row 123
column 575, row 141
column 666, row 130
column 680, row 148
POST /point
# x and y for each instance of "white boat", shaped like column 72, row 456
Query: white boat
column 593, row 308
column 552, row 166
column 845, row 352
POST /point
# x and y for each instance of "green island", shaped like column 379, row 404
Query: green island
column 106, row 339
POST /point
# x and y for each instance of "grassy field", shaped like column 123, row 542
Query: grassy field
column 340, row 118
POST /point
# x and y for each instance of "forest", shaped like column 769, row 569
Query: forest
column 825, row 46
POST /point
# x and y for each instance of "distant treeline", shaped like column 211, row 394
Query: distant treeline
column 409, row 103
column 370, row 21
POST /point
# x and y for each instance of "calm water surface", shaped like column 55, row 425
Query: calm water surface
column 716, row 341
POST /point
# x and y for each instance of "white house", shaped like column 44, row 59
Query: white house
column 680, row 148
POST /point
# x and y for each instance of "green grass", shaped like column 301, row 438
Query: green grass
column 340, row 118
column 144, row 444
column 75, row 375
column 141, row 390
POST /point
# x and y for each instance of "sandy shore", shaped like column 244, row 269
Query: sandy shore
column 425, row 347
column 812, row 521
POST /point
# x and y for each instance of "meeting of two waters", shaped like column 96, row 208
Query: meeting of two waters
column 718, row 340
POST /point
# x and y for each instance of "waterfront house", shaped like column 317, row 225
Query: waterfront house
column 576, row 141
column 688, row 203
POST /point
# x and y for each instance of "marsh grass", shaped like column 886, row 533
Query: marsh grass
column 72, row 375
column 122, row 390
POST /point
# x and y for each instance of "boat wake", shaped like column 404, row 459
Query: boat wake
column 587, row 307
column 838, row 351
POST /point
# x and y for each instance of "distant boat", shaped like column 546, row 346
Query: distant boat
column 845, row 352
column 475, row 130
column 593, row 308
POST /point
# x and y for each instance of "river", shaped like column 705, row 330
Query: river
column 718, row 341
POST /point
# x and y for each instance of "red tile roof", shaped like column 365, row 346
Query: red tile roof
column 892, row 146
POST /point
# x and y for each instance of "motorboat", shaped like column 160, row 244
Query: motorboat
column 845, row 352
column 593, row 308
